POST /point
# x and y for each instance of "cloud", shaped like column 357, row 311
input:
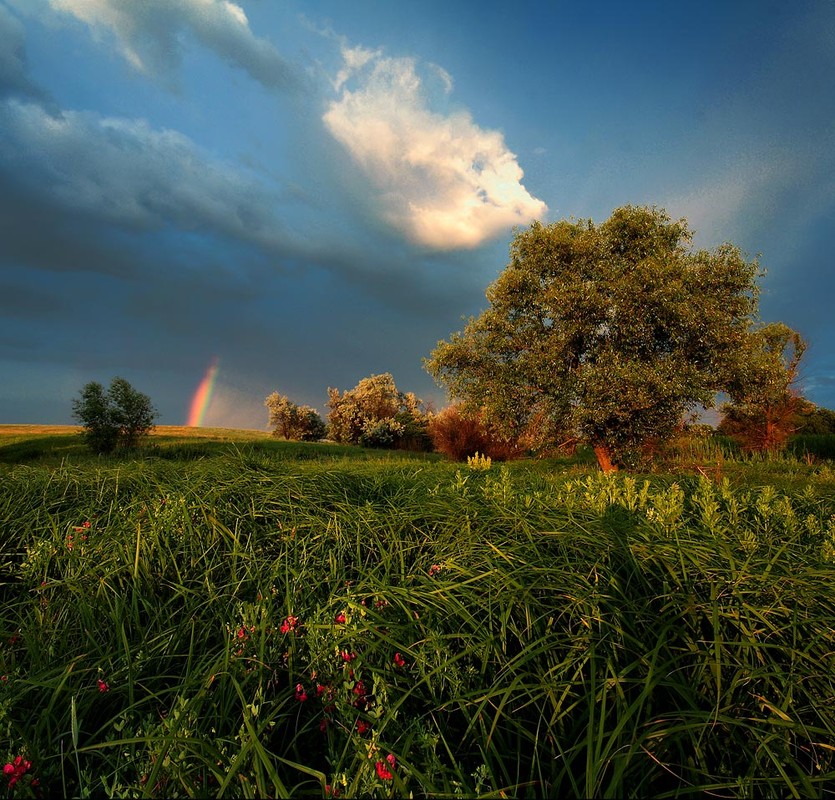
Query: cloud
column 440, row 179
column 125, row 173
column 150, row 35
column 13, row 65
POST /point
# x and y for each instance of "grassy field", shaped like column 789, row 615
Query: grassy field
column 224, row 614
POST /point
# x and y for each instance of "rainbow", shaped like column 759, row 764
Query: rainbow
column 203, row 396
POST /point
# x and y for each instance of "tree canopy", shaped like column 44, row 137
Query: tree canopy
column 608, row 332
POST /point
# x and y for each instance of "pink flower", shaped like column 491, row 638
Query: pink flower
column 434, row 570
column 392, row 760
column 348, row 657
column 103, row 687
column 399, row 661
column 301, row 695
column 383, row 772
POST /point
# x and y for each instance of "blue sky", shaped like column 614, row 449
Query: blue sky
column 314, row 192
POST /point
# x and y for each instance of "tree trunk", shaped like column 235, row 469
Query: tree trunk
column 604, row 458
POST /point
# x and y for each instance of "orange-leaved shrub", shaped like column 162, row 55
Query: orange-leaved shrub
column 458, row 434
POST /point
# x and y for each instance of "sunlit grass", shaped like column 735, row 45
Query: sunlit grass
column 532, row 629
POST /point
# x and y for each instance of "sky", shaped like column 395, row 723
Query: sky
column 260, row 195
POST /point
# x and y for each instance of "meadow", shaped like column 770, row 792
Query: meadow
column 228, row 615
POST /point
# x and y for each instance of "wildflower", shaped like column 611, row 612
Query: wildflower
column 399, row 661
column 434, row 570
column 103, row 687
column 16, row 770
column 348, row 657
column 81, row 528
column 392, row 760
column 289, row 624
column 363, row 727
column 323, row 725
column 339, row 619
column 383, row 772
column 301, row 695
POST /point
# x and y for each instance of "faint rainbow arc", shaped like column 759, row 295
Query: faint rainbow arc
column 203, row 396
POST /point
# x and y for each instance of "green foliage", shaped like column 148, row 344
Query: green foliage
column 375, row 414
column 814, row 421
column 596, row 330
column 292, row 421
column 119, row 417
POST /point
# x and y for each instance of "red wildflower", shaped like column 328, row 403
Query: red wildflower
column 348, row 657
column 434, row 570
column 16, row 770
column 323, row 725
column 392, row 760
column 103, row 687
column 383, row 772
column 399, row 661
column 359, row 689
column 363, row 727
column 289, row 624
column 339, row 619
column 301, row 694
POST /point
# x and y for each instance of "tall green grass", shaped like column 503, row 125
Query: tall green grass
column 270, row 621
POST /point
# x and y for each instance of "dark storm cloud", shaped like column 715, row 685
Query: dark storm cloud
column 14, row 78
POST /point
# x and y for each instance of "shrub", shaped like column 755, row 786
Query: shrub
column 459, row 434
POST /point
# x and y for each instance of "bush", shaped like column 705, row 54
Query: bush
column 458, row 434
column 119, row 417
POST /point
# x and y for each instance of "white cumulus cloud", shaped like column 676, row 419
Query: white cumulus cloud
column 149, row 33
column 439, row 178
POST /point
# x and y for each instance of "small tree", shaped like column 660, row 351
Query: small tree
column 292, row 421
column 605, row 333
column 765, row 407
column 119, row 417
column 375, row 414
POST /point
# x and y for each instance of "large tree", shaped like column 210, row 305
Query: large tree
column 610, row 332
